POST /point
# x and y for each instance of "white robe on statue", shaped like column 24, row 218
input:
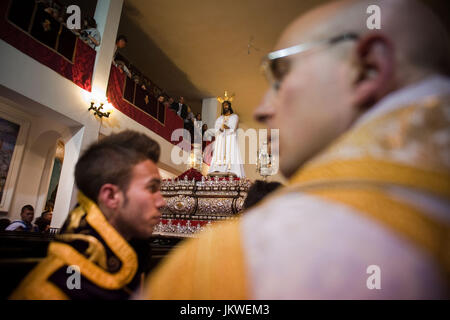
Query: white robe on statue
column 227, row 157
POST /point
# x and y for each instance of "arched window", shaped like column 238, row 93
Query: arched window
column 55, row 175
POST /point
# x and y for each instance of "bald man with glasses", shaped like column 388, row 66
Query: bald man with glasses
column 364, row 119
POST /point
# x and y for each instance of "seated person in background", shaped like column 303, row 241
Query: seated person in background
column 42, row 223
column 118, row 203
column 4, row 223
column 90, row 34
column 258, row 191
column 27, row 215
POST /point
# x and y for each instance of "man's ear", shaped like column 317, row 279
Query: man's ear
column 109, row 196
column 375, row 61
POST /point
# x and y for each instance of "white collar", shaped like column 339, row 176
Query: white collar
column 431, row 86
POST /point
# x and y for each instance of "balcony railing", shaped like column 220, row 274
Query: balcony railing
column 141, row 105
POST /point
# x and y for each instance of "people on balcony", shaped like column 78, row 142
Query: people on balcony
column 54, row 9
column 160, row 99
column 180, row 108
column 90, row 34
column 121, row 43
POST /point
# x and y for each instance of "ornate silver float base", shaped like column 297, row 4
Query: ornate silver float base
column 205, row 200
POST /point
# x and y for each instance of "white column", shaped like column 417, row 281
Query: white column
column 66, row 186
column 107, row 15
column 210, row 111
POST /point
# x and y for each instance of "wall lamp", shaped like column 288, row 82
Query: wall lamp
column 98, row 107
column 98, row 104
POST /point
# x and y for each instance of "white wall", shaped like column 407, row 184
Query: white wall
column 31, row 185
column 210, row 111
column 166, row 174
column 107, row 16
column 40, row 92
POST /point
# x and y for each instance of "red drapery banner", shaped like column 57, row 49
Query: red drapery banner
column 115, row 96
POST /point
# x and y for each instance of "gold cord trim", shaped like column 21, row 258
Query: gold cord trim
column 377, row 171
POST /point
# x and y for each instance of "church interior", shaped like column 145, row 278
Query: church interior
column 154, row 67
column 50, row 80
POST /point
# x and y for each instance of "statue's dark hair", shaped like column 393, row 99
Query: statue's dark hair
column 229, row 104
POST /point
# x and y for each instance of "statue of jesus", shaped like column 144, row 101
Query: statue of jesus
column 226, row 156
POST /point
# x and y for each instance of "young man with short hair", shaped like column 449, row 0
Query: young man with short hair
column 25, row 224
column 118, row 203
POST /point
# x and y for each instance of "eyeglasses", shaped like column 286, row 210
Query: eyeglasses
column 276, row 68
